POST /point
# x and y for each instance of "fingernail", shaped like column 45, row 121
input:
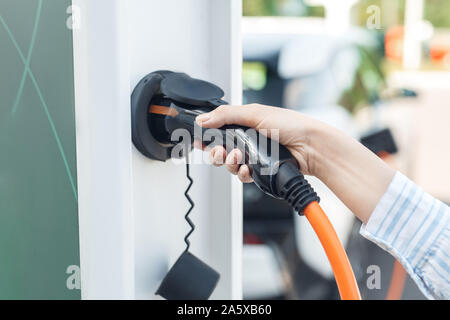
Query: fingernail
column 202, row 118
column 218, row 158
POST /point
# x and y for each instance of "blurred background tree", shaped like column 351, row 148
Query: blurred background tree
column 374, row 65
column 280, row 8
column 392, row 12
column 436, row 11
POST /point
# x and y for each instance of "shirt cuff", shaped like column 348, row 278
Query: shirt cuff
column 398, row 225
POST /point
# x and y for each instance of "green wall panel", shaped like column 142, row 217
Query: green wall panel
column 38, row 201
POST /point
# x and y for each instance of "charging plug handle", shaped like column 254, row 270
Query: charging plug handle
column 164, row 101
column 275, row 173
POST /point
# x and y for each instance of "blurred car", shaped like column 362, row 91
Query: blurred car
column 294, row 63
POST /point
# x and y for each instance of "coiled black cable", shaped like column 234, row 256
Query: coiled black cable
column 186, row 216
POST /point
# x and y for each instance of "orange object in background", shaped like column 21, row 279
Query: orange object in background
column 439, row 48
column 439, row 52
column 393, row 43
column 397, row 284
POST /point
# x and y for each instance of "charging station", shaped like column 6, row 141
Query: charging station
column 131, row 207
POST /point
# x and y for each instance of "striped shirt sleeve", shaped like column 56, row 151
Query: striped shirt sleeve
column 415, row 228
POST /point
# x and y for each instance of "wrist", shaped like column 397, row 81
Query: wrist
column 320, row 150
column 355, row 175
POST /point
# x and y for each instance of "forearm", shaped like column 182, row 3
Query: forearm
column 357, row 176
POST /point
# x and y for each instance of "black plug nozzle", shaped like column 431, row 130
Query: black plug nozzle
column 292, row 186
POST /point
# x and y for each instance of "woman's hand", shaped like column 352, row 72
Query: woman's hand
column 356, row 175
column 295, row 131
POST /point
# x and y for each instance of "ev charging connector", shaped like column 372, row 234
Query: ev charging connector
column 164, row 101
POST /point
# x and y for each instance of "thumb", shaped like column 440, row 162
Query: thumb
column 225, row 114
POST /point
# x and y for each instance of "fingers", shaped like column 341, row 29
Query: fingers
column 240, row 115
column 232, row 161
column 244, row 174
column 217, row 156
column 199, row 145
column 249, row 116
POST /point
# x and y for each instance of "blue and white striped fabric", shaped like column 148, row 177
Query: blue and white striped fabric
column 415, row 228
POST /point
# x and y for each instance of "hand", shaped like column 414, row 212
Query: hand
column 294, row 128
column 356, row 175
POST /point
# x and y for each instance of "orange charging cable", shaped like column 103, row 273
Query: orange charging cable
column 343, row 272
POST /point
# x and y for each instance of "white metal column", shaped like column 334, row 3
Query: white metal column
column 102, row 99
column 412, row 43
column 131, row 208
